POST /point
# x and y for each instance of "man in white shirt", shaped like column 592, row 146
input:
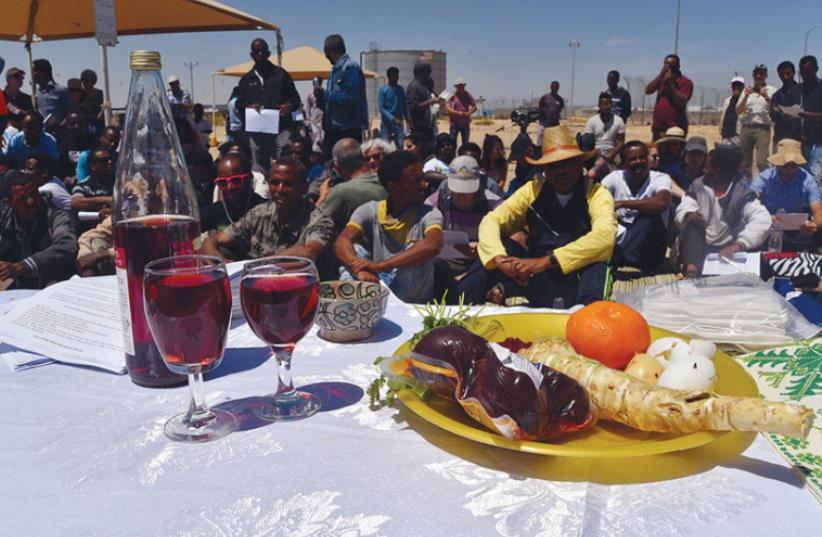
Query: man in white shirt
column 754, row 110
column 721, row 213
column 642, row 199
column 608, row 129
column 435, row 169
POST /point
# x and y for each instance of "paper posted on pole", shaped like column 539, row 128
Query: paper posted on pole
column 265, row 121
column 74, row 322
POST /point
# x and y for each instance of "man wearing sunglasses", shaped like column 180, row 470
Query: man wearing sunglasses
column 286, row 225
column 16, row 100
column 235, row 184
column 268, row 86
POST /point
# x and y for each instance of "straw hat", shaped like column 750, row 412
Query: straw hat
column 787, row 151
column 673, row 134
column 559, row 144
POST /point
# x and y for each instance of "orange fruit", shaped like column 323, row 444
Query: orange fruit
column 608, row 332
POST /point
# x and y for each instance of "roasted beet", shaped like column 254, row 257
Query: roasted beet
column 559, row 405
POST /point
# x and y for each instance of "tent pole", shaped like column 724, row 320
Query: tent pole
column 106, row 90
column 31, row 78
column 214, row 102
column 279, row 48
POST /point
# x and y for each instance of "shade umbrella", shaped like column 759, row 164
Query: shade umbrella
column 302, row 63
column 48, row 20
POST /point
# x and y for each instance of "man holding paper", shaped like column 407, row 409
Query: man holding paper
column 720, row 213
column 265, row 91
column 463, row 204
column 791, row 190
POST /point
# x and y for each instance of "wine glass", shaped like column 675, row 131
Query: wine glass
column 280, row 297
column 188, row 308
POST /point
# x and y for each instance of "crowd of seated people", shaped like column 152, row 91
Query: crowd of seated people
column 430, row 219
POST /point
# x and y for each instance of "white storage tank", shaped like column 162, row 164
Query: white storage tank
column 380, row 60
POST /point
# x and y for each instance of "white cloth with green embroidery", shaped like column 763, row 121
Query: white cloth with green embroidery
column 794, row 374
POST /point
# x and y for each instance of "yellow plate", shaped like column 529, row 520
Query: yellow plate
column 605, row 439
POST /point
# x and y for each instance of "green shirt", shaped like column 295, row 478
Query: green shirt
column 345, row 198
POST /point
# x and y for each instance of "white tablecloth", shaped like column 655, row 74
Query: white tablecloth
column 83, row 453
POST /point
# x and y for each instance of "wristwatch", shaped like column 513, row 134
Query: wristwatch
column 552, row 260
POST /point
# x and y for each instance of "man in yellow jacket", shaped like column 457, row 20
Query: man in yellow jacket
column 571, row 231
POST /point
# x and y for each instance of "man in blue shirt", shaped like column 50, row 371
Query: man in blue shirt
column 52, row 98
column 392, row 105
column 30, row 140
column 788, row 188
column 346, row 111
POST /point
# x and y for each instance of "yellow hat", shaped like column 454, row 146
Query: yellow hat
column 559, row 144
column 788, row 150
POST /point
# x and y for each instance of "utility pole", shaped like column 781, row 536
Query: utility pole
column 807, row 35
column 676, row 33
column 191, row 66
column 574, row 46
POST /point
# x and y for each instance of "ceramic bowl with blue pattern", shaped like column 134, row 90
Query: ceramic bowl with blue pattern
column 350, row 309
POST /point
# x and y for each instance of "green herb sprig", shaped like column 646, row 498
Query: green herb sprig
column 434, row 315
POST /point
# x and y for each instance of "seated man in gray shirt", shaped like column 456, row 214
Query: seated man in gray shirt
column 286, row 225
column 395, row 240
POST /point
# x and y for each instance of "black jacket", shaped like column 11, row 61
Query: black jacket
column 277, row 87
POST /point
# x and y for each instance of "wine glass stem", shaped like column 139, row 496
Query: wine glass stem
column 285, row 385
column 198, row 411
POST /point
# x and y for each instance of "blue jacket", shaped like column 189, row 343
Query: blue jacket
column 391, row 103
column 345, row 104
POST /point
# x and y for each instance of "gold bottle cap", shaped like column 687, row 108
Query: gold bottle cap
column 145, row 60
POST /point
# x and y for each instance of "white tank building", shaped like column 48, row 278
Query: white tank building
column 380, row 60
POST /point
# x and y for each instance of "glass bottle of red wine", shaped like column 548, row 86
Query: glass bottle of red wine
column 155, row 211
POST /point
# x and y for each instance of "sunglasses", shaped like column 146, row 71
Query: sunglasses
column 231, row 181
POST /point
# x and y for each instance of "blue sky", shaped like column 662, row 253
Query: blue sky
column 509, row 50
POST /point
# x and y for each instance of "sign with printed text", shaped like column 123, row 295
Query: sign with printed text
column 105, row 22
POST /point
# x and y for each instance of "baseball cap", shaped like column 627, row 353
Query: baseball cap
column 459, row 82
column 696, row 143
column 14, row 71
column 519, row 147
column 173, row 78
column 760, row 67
column 463, row 175
column 738, row 79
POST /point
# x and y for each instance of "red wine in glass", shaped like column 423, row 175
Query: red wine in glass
column 187, row 301
column 190, row 314
column 137, row 242
column 280, row 308
column 280, row 298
